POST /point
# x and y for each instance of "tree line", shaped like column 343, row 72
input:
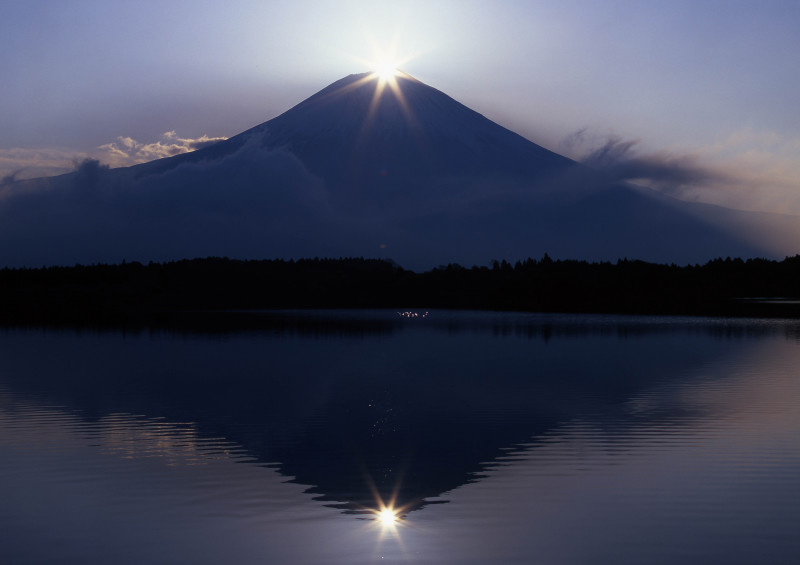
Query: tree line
column 141, row 293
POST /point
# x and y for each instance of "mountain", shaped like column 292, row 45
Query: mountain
column 369, row 167
column 382, row 144
column 428, row 426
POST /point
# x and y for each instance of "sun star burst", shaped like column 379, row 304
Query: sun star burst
column 387, row 517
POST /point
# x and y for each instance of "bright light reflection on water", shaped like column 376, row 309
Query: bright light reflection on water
column 566, row 440
column 387, row 517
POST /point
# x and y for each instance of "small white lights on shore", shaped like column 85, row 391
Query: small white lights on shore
column 411, row 314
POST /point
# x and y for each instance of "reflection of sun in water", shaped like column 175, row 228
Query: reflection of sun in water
column 388, row 520
column 387, row 517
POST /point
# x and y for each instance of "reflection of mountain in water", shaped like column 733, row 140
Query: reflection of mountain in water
column 342, row 400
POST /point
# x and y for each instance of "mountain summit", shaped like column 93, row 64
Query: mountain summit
column 387, row 141
column 370, row 167
column 359, row 130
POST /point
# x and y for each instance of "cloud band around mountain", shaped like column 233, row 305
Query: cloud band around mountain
column 748, row 170
column 26, row 163
column 126, row 151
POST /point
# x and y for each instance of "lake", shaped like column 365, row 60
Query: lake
column 277, row 437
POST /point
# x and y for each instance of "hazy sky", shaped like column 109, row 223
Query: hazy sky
column 710, row 85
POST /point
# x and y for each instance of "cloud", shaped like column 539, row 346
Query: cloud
column 21, row 163
column 765, row 165
column 9, row 178
column 126, row 151
column 748, row 170
column 247, row 201
column 573, row 140
column 617, row 159
column 251, row 203
column 25, row 163
column 88, row 173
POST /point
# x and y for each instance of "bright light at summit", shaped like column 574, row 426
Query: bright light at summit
column 386, row 71
column 384, row 66
column 386, row 58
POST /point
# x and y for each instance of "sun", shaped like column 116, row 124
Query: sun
column 386, row 71
column 386, row 76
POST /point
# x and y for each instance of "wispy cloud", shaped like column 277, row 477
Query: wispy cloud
column 748, row 170
column 765, row 166
column 253, row 201
column 25, row 163
column 9, row 178
column 250, row 203
column 17, row 163
column 126, row 151
column 671, row 173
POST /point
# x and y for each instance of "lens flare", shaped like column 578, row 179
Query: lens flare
column 387, row 517
column 386, row 71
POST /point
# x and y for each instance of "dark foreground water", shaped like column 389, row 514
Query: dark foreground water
column 496, row 438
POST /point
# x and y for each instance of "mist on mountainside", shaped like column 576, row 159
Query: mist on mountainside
column 365, row 168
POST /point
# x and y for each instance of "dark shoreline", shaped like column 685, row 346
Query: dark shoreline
column 156, row 294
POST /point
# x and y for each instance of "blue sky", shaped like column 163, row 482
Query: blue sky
column 710, row 83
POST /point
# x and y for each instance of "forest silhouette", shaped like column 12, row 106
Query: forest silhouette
column 146, row 294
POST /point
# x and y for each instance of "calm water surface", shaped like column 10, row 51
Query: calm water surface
column 496, row 438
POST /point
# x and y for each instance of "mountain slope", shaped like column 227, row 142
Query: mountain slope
column 369, row 168
column 405, row 139
column 415, row 134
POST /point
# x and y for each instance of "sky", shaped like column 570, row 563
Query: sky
column 707, row 86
